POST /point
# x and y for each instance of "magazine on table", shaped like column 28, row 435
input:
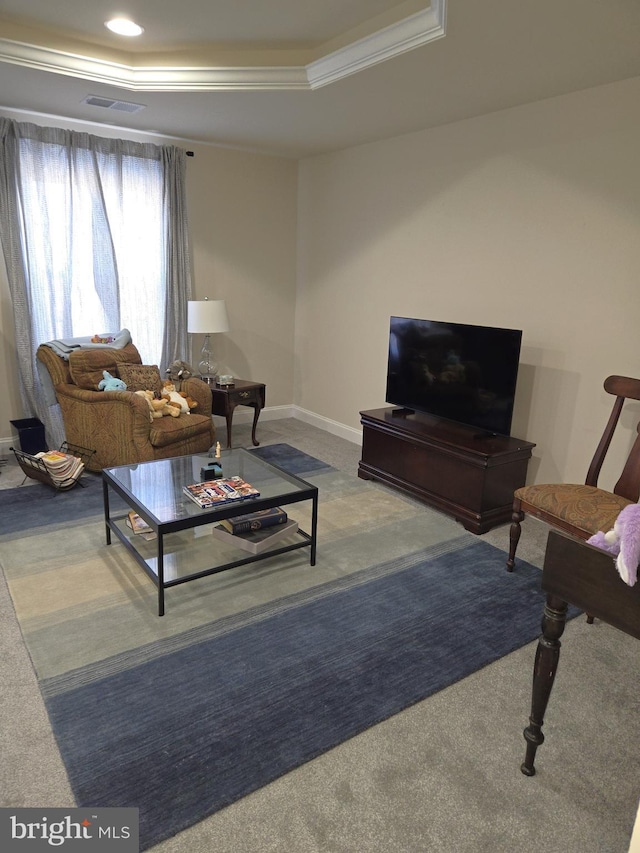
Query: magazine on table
column 140, row 526
column 215, row 492
column 137, row 523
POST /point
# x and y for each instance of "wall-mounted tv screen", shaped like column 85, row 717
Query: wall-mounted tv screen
column 456, row 371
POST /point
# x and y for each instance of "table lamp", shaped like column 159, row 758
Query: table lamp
column 207, row 317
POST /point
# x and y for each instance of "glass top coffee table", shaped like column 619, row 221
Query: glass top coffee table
column 181, row 547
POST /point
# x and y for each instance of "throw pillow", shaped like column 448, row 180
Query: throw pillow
column 86, row 365
column 141, row 377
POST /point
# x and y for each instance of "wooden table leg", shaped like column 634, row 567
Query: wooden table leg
column 517, row 518
column 229, row 419
column 544, row 673
column 256, row 415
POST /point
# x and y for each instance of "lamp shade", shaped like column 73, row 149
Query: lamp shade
column 207, row 316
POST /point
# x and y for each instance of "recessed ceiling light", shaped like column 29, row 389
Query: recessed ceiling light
column 123, row 27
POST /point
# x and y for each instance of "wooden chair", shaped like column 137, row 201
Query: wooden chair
column 578, row 574
column 582, row 510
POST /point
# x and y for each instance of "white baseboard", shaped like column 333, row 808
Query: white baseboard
column 6, row 444
column 274, row 413
column 334, row 427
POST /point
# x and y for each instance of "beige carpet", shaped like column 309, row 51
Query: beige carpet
column 442, row 776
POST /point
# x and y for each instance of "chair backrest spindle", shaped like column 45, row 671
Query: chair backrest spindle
column 628, row 486
column 629, row 483
column 603, row 445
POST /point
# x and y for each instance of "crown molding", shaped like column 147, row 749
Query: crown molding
column 405, row 35
column 416, row 30
column 152, row 79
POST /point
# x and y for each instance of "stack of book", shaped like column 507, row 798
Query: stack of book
column 63, row 468
column 256, row 531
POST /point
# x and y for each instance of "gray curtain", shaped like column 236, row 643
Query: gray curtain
column 95, row 239
column 176, row 345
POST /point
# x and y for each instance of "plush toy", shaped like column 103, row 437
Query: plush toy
column 148, row 396
column 193, row 404
column 110, row 383
column 623, row 542
column 158, row 408
column 163, row 406
column 179, row 370
column 173, row 397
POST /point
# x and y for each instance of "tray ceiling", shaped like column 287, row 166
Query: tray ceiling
column 302, row 77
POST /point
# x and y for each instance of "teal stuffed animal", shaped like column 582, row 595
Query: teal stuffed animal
column 110, row 383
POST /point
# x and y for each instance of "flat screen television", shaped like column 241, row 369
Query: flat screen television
column 456, row 371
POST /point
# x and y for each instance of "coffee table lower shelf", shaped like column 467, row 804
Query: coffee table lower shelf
column 156, row 568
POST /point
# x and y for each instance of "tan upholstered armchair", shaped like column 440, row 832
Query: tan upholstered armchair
column 117, row 424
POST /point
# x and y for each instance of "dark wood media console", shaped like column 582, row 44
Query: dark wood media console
column 456, row 469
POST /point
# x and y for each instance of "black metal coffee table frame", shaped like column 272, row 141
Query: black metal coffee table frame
column 191, row 516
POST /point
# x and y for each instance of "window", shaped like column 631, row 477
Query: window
column 94, row 235
column 94, row 243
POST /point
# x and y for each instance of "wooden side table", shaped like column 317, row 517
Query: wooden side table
column 241, row 393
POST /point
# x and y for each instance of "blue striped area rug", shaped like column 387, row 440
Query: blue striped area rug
column 254, row 671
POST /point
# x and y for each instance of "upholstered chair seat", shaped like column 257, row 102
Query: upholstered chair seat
column 578, row 508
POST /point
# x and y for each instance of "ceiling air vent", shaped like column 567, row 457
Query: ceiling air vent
column 109, row 104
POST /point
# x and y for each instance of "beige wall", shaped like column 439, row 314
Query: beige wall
column 527, row 218
column 242, row 220
column 242, row 213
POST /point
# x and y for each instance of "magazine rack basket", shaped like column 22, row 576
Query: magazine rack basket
column 37, row 470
